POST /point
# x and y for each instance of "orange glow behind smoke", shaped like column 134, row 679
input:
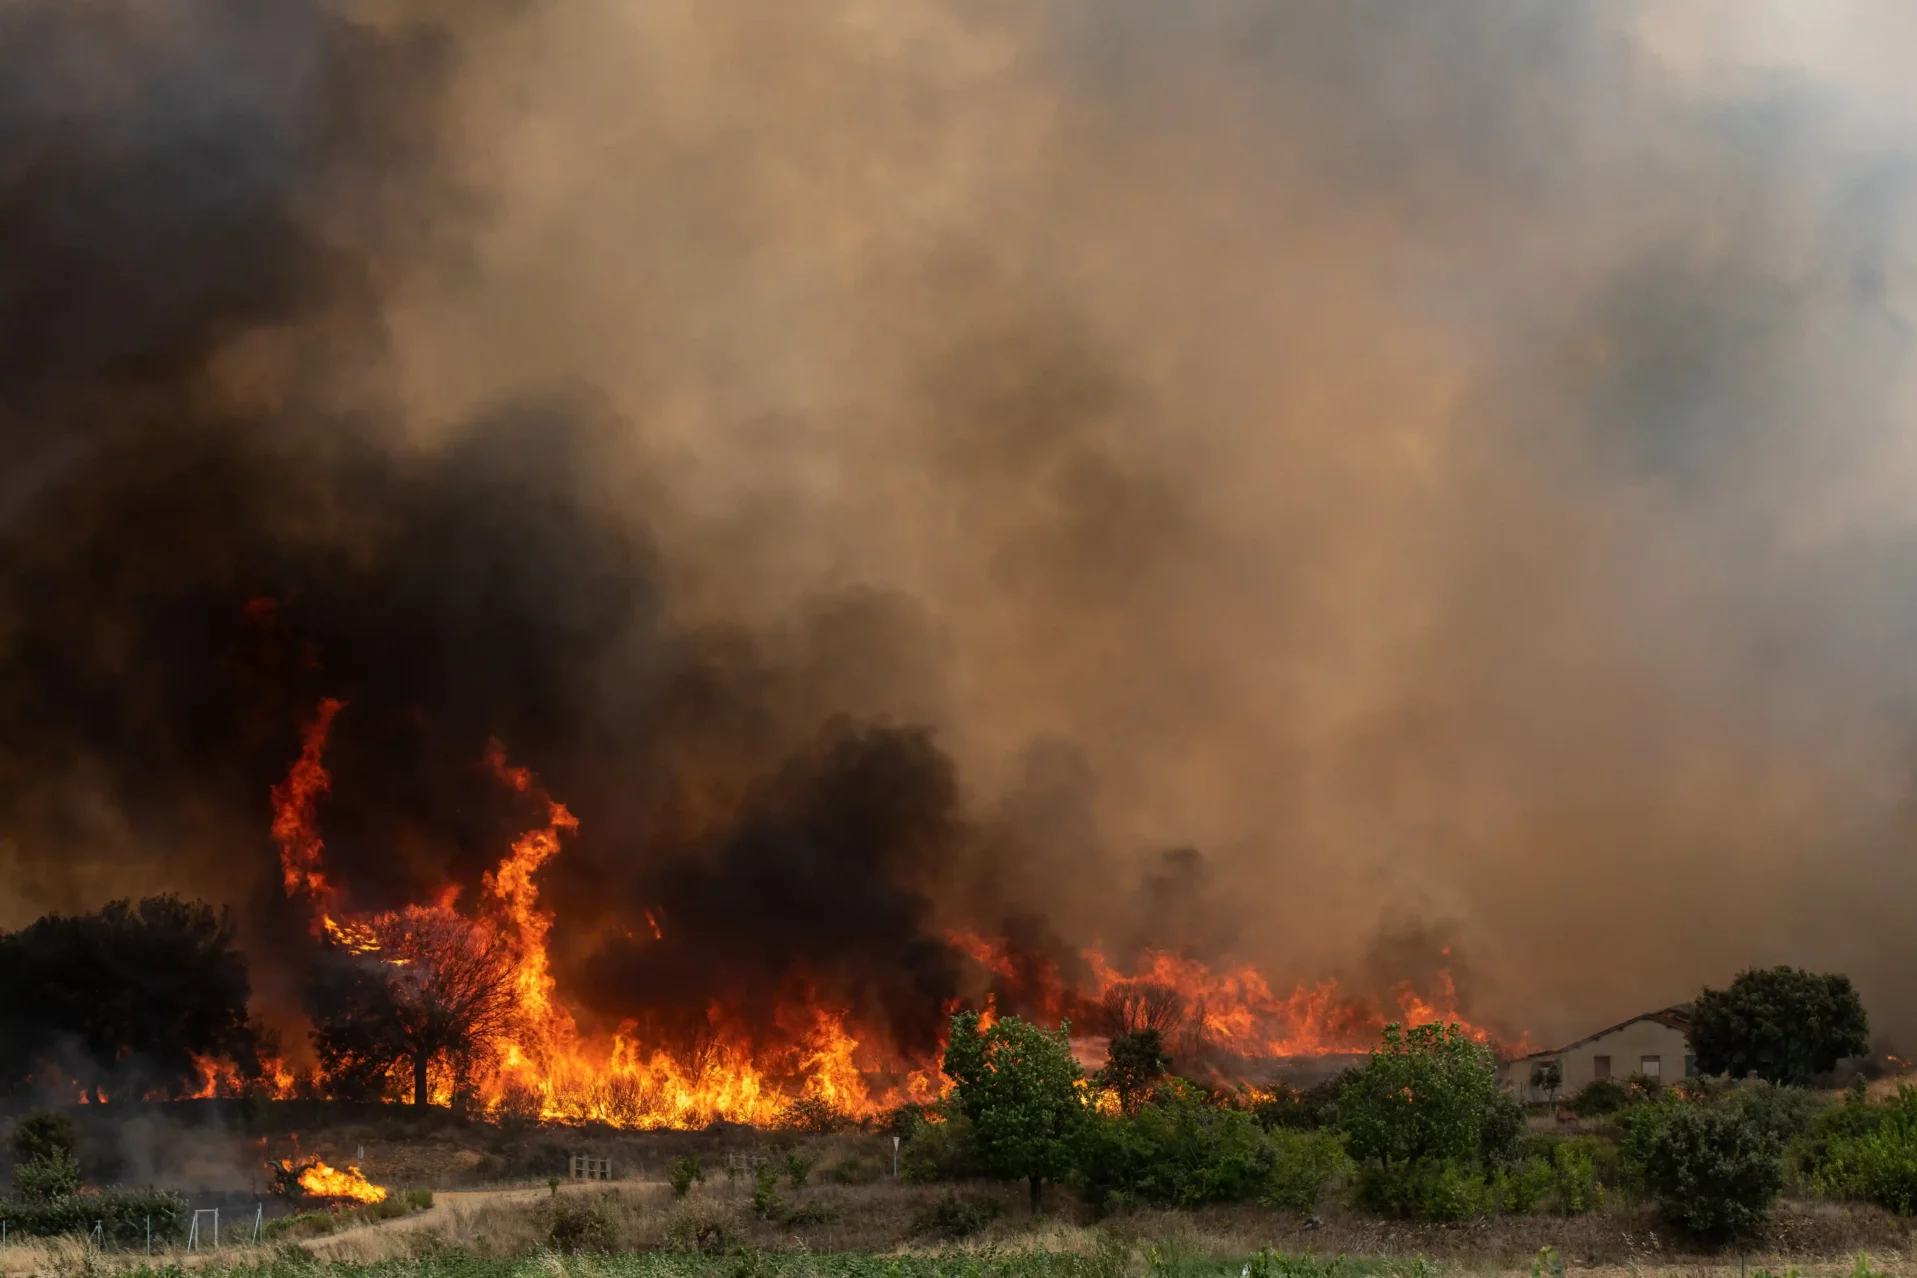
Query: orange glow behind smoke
column 545, row 1066
column 321, row 1181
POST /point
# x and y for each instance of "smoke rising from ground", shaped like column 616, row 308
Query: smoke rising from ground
column 1440, row 467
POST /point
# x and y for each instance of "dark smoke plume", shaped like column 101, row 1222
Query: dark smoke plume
column 923, row 461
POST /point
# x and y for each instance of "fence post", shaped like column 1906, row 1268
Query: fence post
column 216, row 1229
column 149, row 1235
column 259, row 1218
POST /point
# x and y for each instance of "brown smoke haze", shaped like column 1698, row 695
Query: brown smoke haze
column 1450, row 465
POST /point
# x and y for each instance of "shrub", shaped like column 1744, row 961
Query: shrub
column 937, row 1151
column 682, row 1174
column 43, row 1134
column 1870, row 1153
column 1426, row 1189
column 582, row 1226
column 1784, row 1113
column 798, row 1169
column 52, row 1175
column 952, row 1217
column 1307, row 1109
column 1175, row 1151
column 856, row 1171
column 1135, row 1063
column 1712, row 1171
column 766, row 1203
column 121, row 1215
column 1599, row 1097
column 1302, row 1164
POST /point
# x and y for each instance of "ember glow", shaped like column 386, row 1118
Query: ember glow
column 540, row 1062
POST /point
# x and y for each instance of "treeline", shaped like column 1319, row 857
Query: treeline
column 1423, row 1130
column 131, row 996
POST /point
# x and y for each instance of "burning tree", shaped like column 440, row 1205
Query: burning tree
column 414, row 988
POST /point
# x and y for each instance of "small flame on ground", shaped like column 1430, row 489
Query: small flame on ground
column 321, row 1181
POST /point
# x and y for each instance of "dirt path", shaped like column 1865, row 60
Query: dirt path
column 448, row 1207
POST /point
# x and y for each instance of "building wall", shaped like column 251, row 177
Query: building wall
column 1625, row 1051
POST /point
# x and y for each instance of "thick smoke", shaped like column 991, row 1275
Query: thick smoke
column 890, row 466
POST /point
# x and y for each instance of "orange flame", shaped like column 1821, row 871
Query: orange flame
column 294, row 800
column 321, row 1181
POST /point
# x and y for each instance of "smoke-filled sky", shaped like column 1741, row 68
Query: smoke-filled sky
column 892, row 463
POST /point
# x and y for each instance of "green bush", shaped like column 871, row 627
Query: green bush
column 935, row 1151
column 682, row 1174
column 1426, row 1189
column 1308, row 1109
column 52, row 1175
column 1869, row 1152
column 1429, row 1094
column 798, row 1169
column 1712, row 1171
column 1784, row 1113
column 1302, row 1164
column 1174, row 1151
column 122, row 1216
column 953, row 1218
column 814, row 1115
column 579, row 1226
column 766, row 1203
column 43, row 1134
column 1598, row 1098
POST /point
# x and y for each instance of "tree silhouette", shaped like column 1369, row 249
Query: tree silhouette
column 132, row 997
column 425, row 986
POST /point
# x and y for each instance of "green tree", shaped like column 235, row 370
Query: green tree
column 1548, row 1077
column 1425, row 1093
column 1020, row 1088
column 1135, row 1063
column 1782, row 1024
column 43, row 1134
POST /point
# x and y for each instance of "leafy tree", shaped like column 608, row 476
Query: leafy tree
column 50, row 1176
column 1782, row 1024
column 431, row 988
column 129, row 995
column 1135, row 1063
column 1177, row 1150
column 43, row 1134
column 1020, row 1088
column 1425, row 1093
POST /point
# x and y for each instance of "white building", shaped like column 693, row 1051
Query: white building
column 1655, row 1045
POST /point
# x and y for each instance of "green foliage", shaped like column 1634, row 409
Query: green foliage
column 1428, row 1094
column 53, row 1175
column 580, row 1225
column 798, row 1169
column 42, row 1134
column 1135, row 1064
column 121, row 1214
column 1310, row 1108
column 1018, row 1084
column 1781, row 1024
column 1175, row 1151
column 682, row 1174
column 1560, row 1176
column 1598, row 1098
column 766, row 1203
column 1783, row 1113
column 953, row 1218
column 1712, row 1170
column 1302, row 1164
column 1869, row 1152
column 936, row 1151
column 1548, row 1076
column 1426, row 1189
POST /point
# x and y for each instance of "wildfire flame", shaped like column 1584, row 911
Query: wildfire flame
column 321, row 1181
column 544, row 1066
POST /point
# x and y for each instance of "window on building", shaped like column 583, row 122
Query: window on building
column 1600, row 1067
column 1690, row 1067
column 1650, row 1067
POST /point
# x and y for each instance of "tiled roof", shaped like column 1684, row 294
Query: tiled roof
column 1677, row 1017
